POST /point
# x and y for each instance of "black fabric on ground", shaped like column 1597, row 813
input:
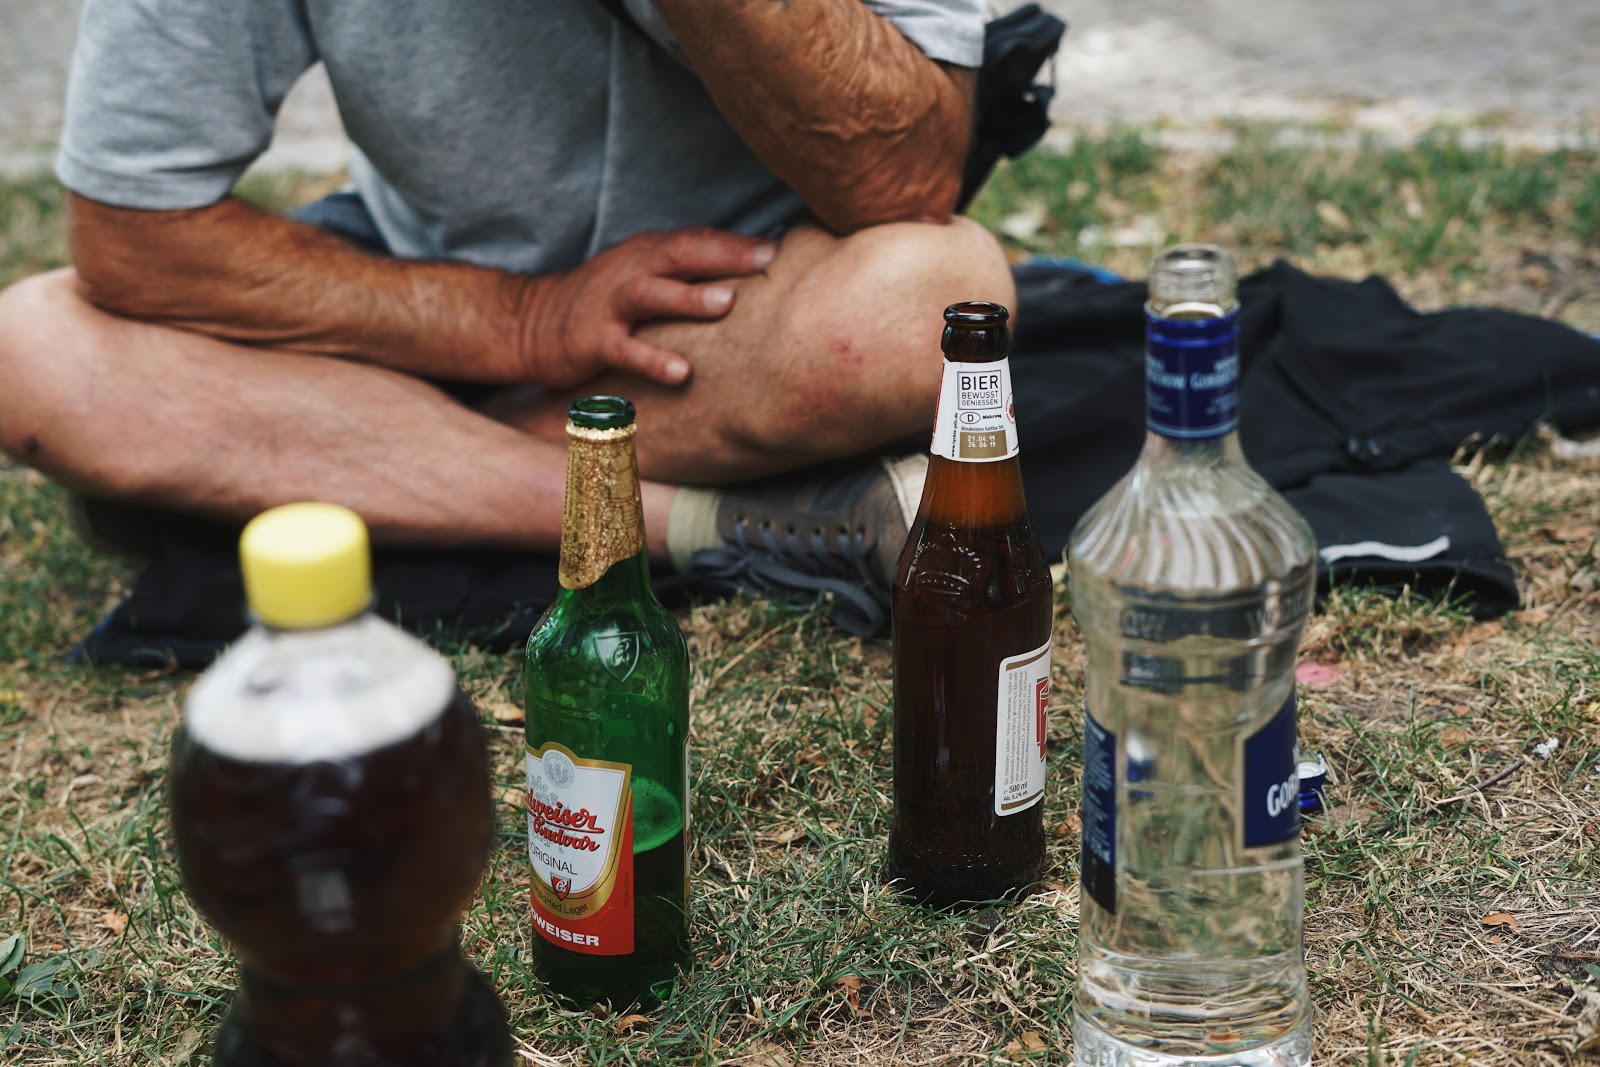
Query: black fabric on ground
column 1411, row 506
column 1345, row 391
column 1351, row 403
column 189, row 600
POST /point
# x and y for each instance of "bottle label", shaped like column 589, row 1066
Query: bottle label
column 1191, row 388
column 1098, row 870
column 580, row 839
column 1272, row 780
column 976, row 422
column 1020, row 731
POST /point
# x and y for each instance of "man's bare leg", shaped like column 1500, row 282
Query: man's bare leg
column 175, row 419
column 834, row 351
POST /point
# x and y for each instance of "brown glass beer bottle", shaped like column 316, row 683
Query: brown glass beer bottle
column 332, row 816
column 972, row 615
column 606, row 681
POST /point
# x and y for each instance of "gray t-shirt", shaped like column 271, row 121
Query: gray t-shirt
column 521, row 134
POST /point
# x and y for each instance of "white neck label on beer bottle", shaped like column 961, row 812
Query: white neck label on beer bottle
column 976, row 422
column 580, row 839
column 1019, row 736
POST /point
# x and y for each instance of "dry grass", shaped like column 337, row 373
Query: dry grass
column 1453, row 884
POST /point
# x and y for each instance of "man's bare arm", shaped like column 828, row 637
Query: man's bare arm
column 842, row 107
column 236, row 272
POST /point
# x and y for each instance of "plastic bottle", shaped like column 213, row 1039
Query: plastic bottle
column 332, row 816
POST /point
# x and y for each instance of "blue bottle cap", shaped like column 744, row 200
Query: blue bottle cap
column 1313, row 773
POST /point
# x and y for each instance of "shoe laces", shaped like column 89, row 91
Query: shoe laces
column 764, row 558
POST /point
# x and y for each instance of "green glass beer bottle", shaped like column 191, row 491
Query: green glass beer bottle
column 606, row 680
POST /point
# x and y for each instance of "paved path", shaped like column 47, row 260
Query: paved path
column 1395, row 66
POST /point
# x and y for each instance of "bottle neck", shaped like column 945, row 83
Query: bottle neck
column 1208, row 452
column 602, row 526
column 1192, row 385
column 965, row 493
column 976, row 422
column 626, row 579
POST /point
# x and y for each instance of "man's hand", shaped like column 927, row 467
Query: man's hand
column 581, row 322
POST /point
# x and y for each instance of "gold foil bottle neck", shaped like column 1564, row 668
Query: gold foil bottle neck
column 602, row 522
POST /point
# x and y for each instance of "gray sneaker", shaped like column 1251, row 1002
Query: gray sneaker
column 832, row 530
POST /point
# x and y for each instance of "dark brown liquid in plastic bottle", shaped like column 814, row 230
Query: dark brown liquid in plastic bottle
column 339, row 884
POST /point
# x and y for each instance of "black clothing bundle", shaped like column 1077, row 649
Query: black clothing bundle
column 1351, row 403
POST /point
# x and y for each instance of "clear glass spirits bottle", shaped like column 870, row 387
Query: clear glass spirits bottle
column 1191, row 582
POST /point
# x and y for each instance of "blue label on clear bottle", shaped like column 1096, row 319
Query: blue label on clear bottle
column 1099, row 814
column 1272, row 780
column 1192, row 376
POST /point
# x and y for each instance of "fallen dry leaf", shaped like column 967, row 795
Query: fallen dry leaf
column 513, row 796
column 1455, row 736
column 1584, row 532
column 1349, row 814
column 115, row 921
column 850, row 985
column 1412, row 199
column 1331, row 214
column 1072, row 824
column 628, row 1022
column 1028, row 1042
column 1318, row 675
column 1481, row 632
column 504, row 712
column 765, row 1054
column 1500, row 918
column 1588, row 1027
column 184, row 1048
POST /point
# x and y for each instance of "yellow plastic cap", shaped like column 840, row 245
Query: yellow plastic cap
column 306, row 566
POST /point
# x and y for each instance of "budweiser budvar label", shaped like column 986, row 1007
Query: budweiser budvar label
column 976, row 422
column 580, row 840
column 1020, row 731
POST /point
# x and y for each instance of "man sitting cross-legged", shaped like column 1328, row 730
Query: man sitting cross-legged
column 737, row 213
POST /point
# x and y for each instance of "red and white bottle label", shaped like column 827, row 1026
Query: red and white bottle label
column 1020, row 731
column 976, row 422
column 580, row 840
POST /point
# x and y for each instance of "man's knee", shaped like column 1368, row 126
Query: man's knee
column 29, row 323
column 33, row 312
column 866, row 328
column 45, row 329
